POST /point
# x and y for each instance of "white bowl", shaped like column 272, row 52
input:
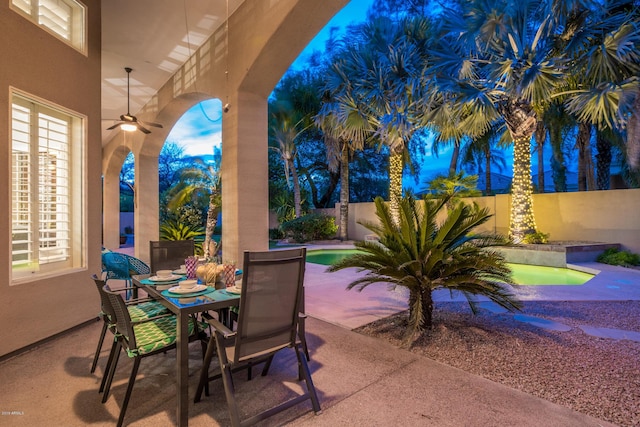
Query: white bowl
column 187, row 284
column 163, row 273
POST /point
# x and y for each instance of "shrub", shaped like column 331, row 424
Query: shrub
column 310, row 227
column 615, row 256
column 536, row 238
column 276, row 234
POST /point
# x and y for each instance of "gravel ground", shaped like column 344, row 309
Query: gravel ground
column 596, row 376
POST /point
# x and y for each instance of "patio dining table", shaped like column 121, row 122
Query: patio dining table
column 183, row 306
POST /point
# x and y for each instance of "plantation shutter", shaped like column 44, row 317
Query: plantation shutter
column 41, row 200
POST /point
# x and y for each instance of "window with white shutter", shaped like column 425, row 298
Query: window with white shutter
column 64, row 19
column 46, row 150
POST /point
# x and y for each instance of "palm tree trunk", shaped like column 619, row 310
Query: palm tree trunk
column 522, row 221
column 420, row 309
column 297, row 199
column 541, row 136
column 633, row 136
column 453, row 164
column 586, row 180
column 395, row 182
column 487, row 160
column 603, row 161
column 212, row 221
column 344, row 194
column 522, row 123
column 558, row 168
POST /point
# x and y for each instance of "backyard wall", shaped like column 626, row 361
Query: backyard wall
column 611, row 216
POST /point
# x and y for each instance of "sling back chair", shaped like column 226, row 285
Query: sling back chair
column 140, row 339
column 267, row 323
column 119, row 266
column 139, row 309
column 169, row 254
column 233, row 313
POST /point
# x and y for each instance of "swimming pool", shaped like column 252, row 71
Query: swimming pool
column 522, row 274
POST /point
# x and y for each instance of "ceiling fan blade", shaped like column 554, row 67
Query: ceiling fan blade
column 142, row 128
column 114, row 126
column 157, row 125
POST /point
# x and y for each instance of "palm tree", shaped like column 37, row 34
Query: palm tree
column 512, row 58
column 345, row 130
column 540, row 136
column 283, row 136
column 420, row 254
column 196, row 180
column 386, row 81
column 453, row 187
column 481, row 150
column 558, row 122
column 605, row 80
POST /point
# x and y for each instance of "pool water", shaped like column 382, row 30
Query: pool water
column 522, row 274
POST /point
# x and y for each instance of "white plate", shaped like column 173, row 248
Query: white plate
column 234, row 290
column 179, row 290
column 180, row 272
column 165, row 279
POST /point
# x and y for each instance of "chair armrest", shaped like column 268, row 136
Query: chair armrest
column 219, row 327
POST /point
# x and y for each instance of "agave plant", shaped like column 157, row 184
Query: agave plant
column 422, row 255
column 174, row 230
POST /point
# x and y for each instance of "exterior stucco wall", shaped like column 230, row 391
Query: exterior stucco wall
column 41, row 65
column 595, row 216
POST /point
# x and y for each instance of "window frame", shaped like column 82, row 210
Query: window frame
column 76, row 158
column 78, row 21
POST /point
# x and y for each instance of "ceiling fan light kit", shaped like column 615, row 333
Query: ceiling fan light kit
column 129, row 122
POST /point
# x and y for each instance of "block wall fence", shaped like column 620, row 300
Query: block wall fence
column 611, row 216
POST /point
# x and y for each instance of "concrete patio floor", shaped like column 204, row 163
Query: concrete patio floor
column 360, row 380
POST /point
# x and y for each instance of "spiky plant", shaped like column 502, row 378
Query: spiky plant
column 422, row 255
column 174, row 230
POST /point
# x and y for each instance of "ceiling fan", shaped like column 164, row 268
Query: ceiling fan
column 129, row 122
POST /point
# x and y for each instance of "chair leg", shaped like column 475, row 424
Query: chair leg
column 100, row 341
column 107, row 368
column 204, row 373
column 229, row 392
column 127, row 396
column 267, row 365
column 112, row 371
column 303, row 337
column 304, row 367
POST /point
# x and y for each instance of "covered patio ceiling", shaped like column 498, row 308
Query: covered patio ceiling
column 154, row 38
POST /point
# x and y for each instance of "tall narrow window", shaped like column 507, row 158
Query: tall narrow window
column 46, row 149
column 64, row 19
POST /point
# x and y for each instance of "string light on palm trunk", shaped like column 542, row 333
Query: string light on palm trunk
column 522, row 221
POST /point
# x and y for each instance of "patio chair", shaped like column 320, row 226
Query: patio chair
column 119, row 266
column 267, row 323
column 140, row 339
column 233, row 313
column 169, row 254
column 138, row 309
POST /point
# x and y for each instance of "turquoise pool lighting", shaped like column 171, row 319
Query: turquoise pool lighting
column 522, row 274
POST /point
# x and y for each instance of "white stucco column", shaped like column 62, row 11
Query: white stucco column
column 146, row 204
column 111, row 209
column 245, row 186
